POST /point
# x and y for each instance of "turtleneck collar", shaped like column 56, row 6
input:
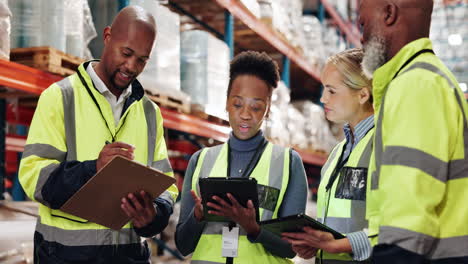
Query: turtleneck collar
column 245, row 145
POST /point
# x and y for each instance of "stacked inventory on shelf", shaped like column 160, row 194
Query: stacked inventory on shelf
column 275, row 26
column 284, row 30
column 30, row 27
column 307, row 120
column 205, row 70
column 248, row 31
column 314, row 48
column 5, row 27
column 449, row 33
column 54, row 23
column 347, row 9
column 345, row 22
column 162, row 71
column 314, row 40
column 318, row 134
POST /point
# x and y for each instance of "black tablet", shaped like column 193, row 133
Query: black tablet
column 243, row 189
column 295, row 223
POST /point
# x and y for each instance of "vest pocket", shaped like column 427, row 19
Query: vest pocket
column 58, row 213
column 352, row 184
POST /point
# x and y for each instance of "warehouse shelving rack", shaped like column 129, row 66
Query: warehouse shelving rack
column 239, row 25
column 241, row 30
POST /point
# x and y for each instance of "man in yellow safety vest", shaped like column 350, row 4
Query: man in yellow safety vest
column 419, row 166
column 66, row 145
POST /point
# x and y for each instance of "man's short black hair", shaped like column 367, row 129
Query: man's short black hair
column 256, row 64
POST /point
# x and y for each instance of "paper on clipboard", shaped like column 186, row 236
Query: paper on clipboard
column 100, row 198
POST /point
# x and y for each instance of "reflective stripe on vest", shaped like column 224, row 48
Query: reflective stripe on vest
column 445, row 247
column 43, row 177
column 87, row 237
column 212, row 162
column 150, row 115
column 331, row 158
column 344, row 215
column 68, row 98
column 205, row 262
column 335, row 261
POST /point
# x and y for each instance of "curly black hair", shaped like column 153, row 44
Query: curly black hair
column 256, row 64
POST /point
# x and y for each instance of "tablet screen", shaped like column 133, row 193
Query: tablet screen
column 243, row 189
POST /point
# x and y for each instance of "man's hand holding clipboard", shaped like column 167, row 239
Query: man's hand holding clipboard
column 138, row 206
column 121, row 191
column 111, row 150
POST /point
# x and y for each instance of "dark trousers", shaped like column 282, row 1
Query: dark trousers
column 390, row 254
column 46, row 252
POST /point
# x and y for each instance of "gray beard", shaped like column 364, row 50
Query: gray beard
column 374, row 56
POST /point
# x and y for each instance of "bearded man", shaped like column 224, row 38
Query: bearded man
column 419, row 167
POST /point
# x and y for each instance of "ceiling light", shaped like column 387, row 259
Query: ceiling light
column 463, row 87
column 455, row 39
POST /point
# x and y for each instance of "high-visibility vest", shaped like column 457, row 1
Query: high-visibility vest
column 419, row 168
column 345, row 215
column 272, row 172
column 67, row 125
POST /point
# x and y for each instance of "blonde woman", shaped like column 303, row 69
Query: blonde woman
column 341, row 201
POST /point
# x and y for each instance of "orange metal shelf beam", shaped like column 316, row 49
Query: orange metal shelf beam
column 351, row 36
column 194, row 125
column 15, row 143
column 24, row 78
column 314, row 159
column 197, row 126
column 237, row 9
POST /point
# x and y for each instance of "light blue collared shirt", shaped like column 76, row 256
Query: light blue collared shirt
column 360, row 131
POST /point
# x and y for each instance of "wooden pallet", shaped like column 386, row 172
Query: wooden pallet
column 170, row 102
column 47, row 59
column 198, row 111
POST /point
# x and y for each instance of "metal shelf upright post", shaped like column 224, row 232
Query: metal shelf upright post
column 123, row 3
column 2, row 146
column 285, row 74
column 229, row 32
column 321, row 12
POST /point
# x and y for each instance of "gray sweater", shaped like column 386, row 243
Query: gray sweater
column 189, row 230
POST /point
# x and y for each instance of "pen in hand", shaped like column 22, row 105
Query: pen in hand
column 129, row 148
column 110, row 150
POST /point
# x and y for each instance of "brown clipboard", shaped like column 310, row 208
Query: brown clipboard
column 100, row 198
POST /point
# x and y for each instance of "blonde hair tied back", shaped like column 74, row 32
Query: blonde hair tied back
column 348, row 63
